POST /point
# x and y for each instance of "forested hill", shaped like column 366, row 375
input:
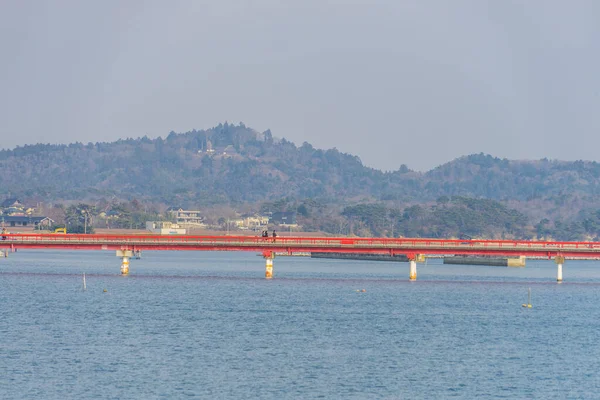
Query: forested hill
column 235, row 164
column 229, row 163
column 482, row 175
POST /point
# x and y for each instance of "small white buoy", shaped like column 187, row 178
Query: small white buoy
column 84, row 285
column 528, row 305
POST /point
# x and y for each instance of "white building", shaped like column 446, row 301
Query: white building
column 164, row 228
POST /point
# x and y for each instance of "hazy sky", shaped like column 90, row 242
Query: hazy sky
column 395, row 82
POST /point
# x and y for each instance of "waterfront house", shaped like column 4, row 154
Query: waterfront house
column 251, row 222
column 186, row 217
column 26, row 220
column 13, row 207
column 12, row 202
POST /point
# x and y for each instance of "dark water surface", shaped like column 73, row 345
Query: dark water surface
column 208, row 325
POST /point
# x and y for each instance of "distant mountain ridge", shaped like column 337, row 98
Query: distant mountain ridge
column 235, row 164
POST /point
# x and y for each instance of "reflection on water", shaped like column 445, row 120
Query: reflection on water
column 207, row 325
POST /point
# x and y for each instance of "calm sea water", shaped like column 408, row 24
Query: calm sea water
column 208, row 325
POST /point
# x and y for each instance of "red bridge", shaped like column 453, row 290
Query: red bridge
column 126, row 245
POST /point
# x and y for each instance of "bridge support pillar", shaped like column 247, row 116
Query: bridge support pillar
column 125, row 255
column 559, row 260
column 268, row 255
column 125, row 266
column 412, row 272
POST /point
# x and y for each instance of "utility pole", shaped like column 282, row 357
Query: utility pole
column 84, row 221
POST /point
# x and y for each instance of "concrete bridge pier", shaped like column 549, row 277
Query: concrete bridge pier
column 559, row 260
column 125, row 266
column 412, row 269
column 125, row 255
column 412, row 272
column 412, row 260
column 269, row 256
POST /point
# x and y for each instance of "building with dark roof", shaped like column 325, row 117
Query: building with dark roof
column 283, row 218
column 12, row 202
column 25, row 220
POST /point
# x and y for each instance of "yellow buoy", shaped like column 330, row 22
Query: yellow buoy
column 105, row 290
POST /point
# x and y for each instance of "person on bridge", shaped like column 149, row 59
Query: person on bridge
column 274, row 235
column 3, row 233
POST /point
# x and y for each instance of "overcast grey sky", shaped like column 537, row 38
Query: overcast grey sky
column 416, row 82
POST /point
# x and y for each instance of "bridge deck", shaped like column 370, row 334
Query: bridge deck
column 304, row 244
